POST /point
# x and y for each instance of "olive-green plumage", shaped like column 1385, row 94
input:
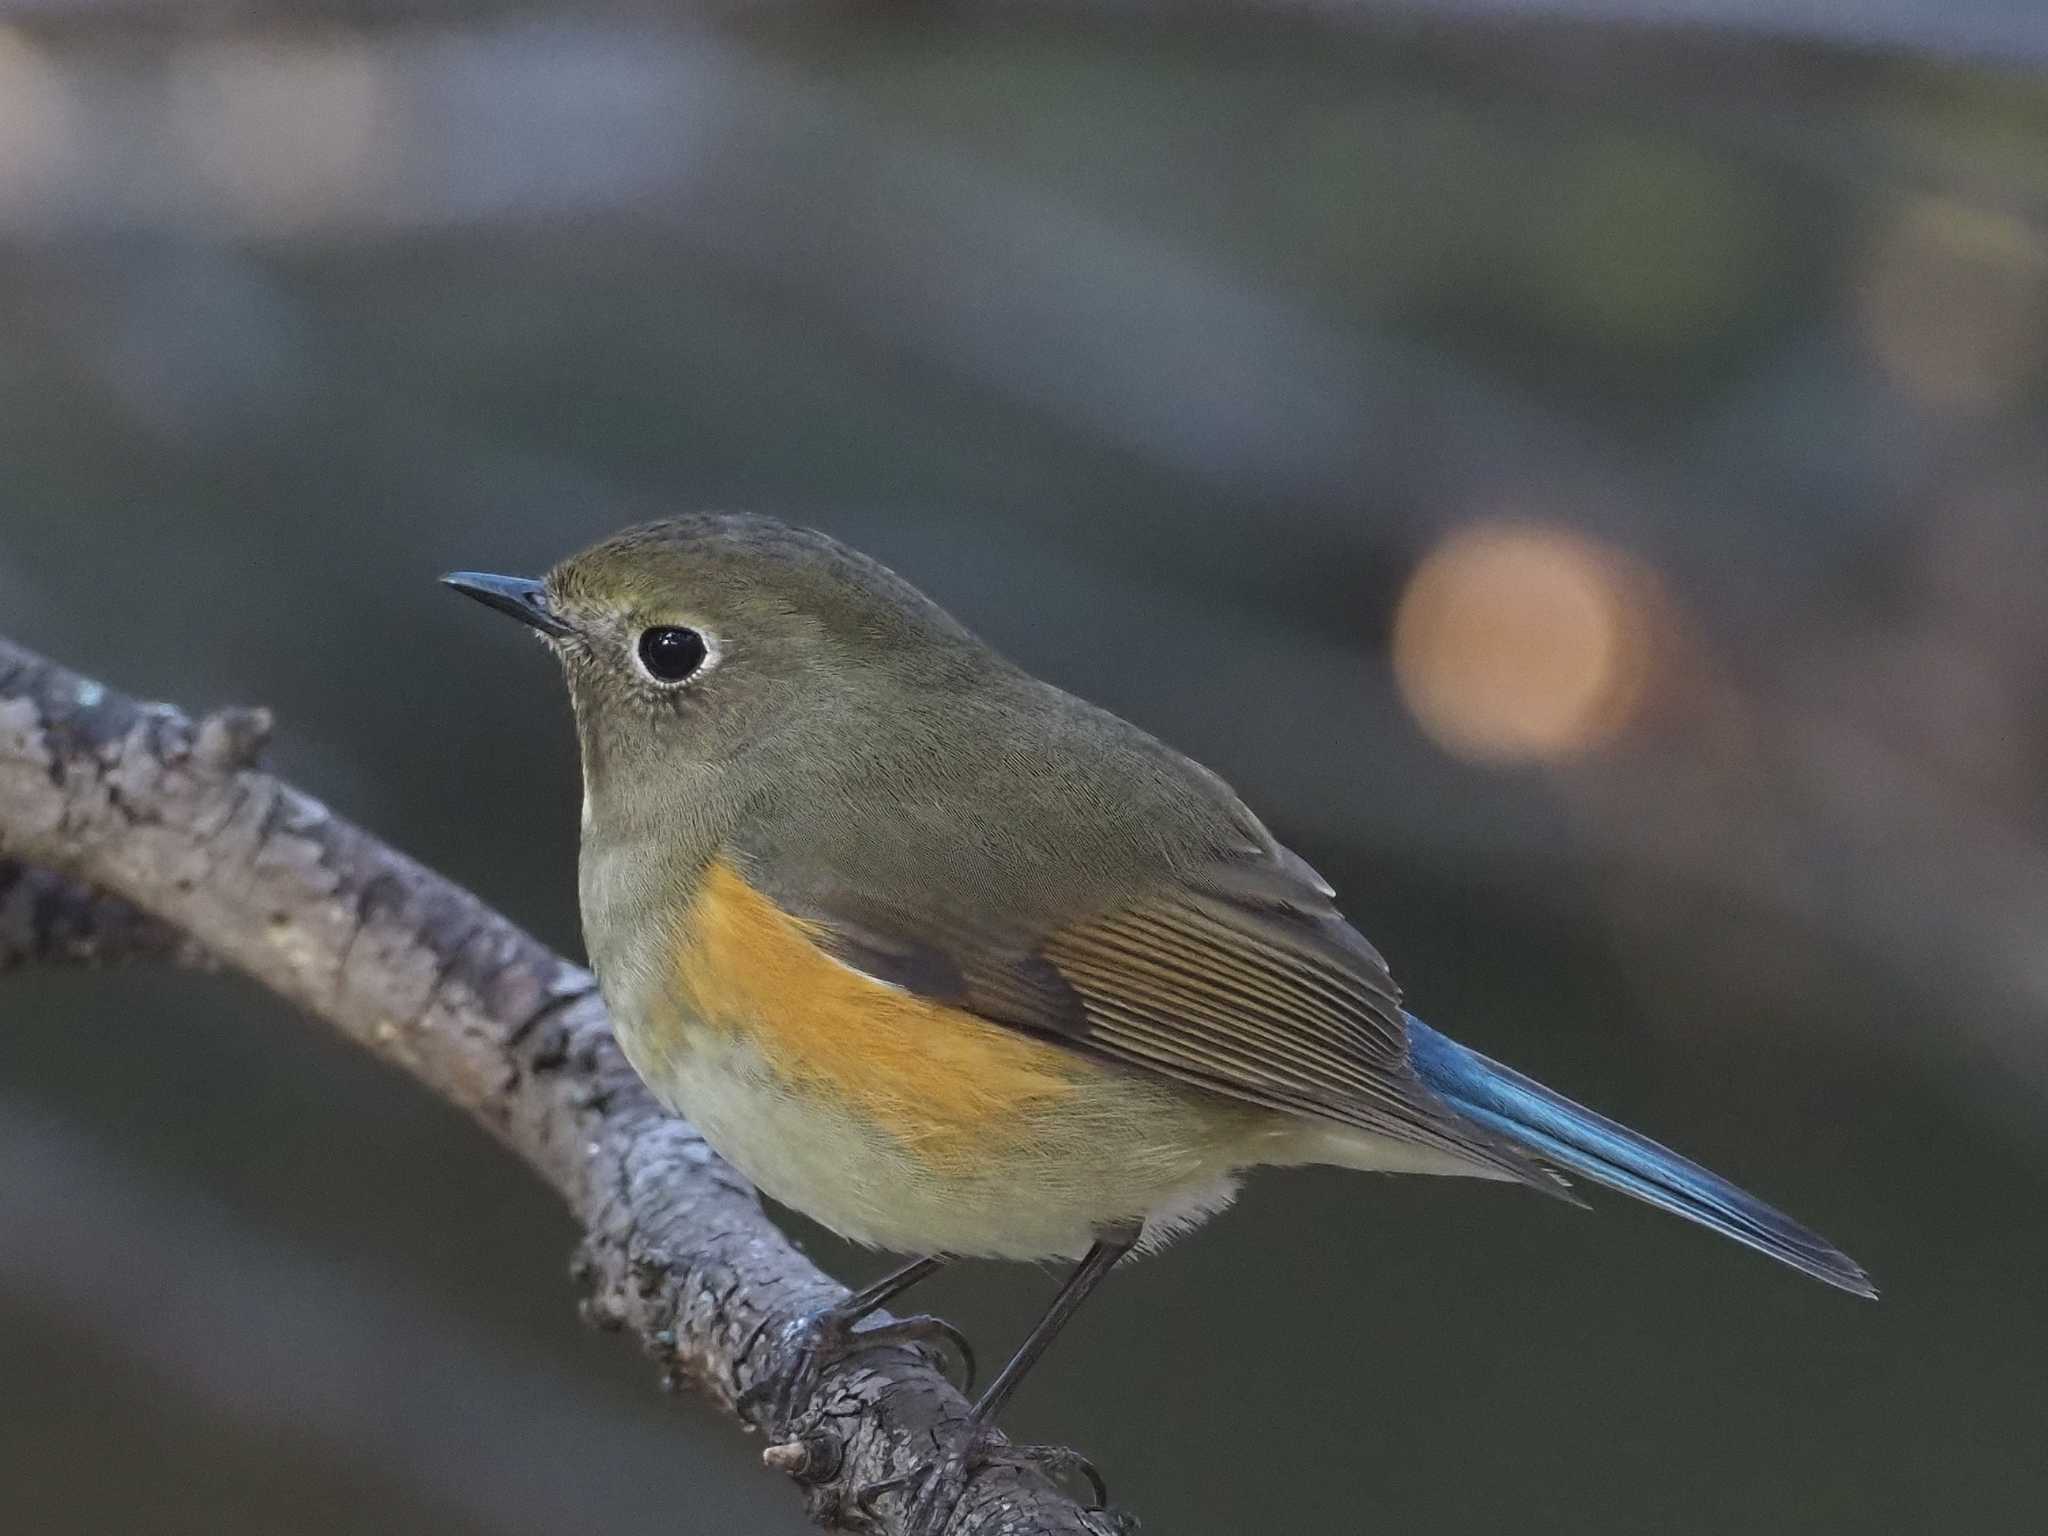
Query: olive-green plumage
column 965, row 832
column 955, row 962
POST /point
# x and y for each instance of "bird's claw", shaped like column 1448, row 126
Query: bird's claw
column 923, row 1328
column 1057, row 1462
column 815, row 1343
column 935, row 1487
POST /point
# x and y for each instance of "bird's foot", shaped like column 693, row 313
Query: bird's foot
column 808, row 1347
column 934, row 1489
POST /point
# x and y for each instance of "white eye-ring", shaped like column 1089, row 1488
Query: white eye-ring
column 672, row 654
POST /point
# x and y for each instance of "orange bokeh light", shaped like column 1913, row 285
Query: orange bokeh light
column 1523, row 642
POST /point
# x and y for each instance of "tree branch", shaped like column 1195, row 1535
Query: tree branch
column 47, row 919
column 130, row 829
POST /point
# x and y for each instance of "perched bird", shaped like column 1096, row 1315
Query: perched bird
column 959, row 965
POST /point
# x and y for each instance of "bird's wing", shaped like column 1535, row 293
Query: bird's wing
column 1243, row 980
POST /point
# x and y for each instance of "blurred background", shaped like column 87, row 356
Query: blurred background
column 1583, row 484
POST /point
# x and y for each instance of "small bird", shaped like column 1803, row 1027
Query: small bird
column 961, row 966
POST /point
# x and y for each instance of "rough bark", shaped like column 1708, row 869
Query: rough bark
column 131, row 830
column 46, row 919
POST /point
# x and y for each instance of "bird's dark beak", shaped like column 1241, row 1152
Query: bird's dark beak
column 526, row 601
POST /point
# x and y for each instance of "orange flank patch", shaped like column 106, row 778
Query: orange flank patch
column 942, row 1080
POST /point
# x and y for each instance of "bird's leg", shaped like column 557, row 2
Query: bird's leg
column 936, row 1487
column 823, row 1338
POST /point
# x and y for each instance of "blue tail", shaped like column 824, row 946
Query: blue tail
column 1561, row 1133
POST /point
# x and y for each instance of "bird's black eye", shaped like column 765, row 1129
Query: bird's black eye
column 671, row 653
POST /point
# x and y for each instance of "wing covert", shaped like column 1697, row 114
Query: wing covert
column 1244, row 981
